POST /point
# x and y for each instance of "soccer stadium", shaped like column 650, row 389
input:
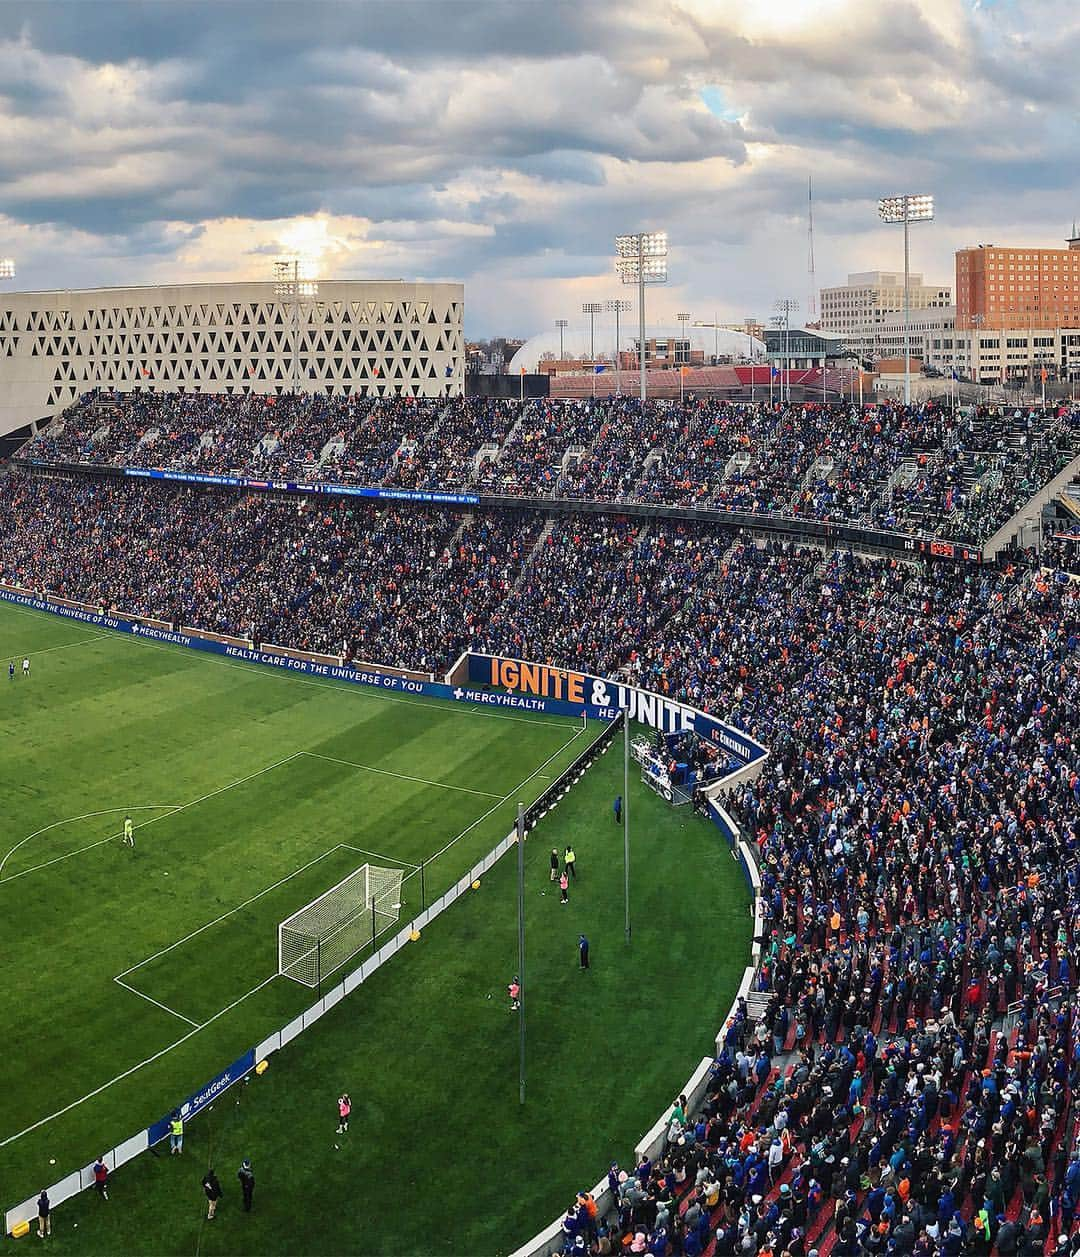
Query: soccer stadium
column 344, row 652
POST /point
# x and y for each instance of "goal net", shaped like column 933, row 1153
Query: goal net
column 330, row 930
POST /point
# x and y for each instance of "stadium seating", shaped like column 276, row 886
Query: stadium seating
column 925, row 471
column 901, row 1081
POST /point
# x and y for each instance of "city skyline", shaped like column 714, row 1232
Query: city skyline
column 505, row 145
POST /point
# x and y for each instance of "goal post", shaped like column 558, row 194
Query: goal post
column 329, row 931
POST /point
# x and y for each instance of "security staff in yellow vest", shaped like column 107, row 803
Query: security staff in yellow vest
column 176, row 1134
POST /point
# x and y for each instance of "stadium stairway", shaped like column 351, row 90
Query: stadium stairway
column 526, row 567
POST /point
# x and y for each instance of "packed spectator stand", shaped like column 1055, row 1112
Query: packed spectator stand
column 901, row 1080
column 956, row 475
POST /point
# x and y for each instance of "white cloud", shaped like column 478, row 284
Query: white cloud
column 508, row 148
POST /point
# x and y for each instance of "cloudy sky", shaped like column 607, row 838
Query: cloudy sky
column 504, row 144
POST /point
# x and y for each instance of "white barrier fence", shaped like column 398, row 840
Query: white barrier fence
column 549, row 1240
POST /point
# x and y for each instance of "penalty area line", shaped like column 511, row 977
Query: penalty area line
column 506, row 797
column 70, row 820
column 386, row 772
column 133, row 1069
column 176, row 808
column 157, row 1003
column 225, row 915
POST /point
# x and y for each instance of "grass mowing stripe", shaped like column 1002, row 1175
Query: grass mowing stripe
column 386, row 772
column 506, row 797
column 83, row 641
column 225, row 915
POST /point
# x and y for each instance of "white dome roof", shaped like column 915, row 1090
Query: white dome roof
column 576, row 341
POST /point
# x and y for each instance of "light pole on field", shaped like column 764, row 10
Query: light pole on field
column 906, row 209
column 642, row 259
column 626, row 815
column 520, row 829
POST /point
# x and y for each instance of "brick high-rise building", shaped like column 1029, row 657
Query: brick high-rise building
column 1018, row 289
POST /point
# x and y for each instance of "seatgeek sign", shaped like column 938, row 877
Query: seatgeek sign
column 604, row 699
column 205, row 1095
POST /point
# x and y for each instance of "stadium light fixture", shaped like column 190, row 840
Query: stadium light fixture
column 785, row 308
column 906, row 209
column 562, row 325
column 592, row 309
column 7, row 268
column 642, row 259
column 618, row 307
column 295, row 278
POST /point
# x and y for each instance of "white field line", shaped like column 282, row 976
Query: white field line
column 44, row 1121
column 459, row 709
column 180, row 807
column 386, row 772
column 83, row 641
column 520, row 786
column 389, row 859
column 74, row 1104
column 156, row 1003
column 70, row 820
column 217, row 920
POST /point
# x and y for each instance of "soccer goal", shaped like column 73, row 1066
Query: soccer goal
column 323, row 936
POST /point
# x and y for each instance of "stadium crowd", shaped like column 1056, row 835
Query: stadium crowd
column 955, row 474
column 907, row 1087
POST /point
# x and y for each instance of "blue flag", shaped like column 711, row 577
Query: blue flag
column 598, row 368
column 774, row 372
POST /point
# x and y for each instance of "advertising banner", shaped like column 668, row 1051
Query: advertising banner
column 604, row 699
column 371, row 678
column 205, row 1095
column 295, row 486
column 496, row 682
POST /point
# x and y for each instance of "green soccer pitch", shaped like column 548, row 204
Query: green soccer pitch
column 133, row 976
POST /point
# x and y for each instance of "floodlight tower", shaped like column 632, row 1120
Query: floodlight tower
column 617, row 307
column 592, row 309
column 906, row 209
column 683, row 318
column 562, row 325
column 642, row 259
column 785, row 308
column 294, row 278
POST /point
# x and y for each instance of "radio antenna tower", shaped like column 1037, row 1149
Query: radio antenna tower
column 811, row 305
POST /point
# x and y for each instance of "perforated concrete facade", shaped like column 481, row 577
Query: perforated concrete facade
column 375, row 338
